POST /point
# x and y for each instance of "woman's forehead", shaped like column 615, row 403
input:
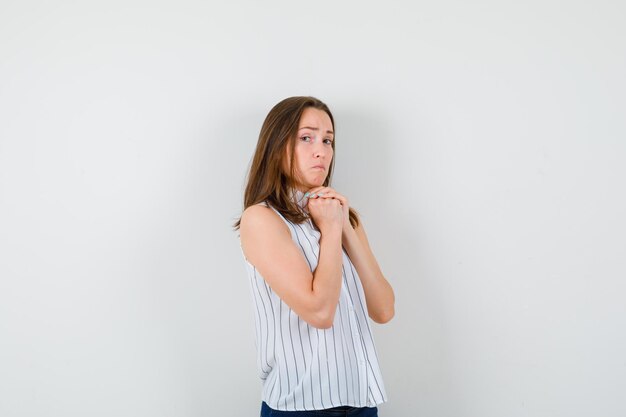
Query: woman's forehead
column 315, row 119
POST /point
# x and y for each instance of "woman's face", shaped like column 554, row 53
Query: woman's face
column 313, row 150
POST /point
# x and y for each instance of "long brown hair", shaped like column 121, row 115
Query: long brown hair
column 267, row 179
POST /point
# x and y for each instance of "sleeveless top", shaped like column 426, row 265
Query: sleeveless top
column 306, row 368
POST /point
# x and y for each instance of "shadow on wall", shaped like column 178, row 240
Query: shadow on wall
column 364, row 171
column 362, row 160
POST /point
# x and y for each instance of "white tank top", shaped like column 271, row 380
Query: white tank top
column 306, row 368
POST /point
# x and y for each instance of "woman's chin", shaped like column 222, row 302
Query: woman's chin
column 318, row 181
column 313, row 182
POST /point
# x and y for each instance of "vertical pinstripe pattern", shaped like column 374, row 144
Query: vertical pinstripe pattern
column 305, row 368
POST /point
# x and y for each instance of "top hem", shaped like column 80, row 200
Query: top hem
column 275, row 406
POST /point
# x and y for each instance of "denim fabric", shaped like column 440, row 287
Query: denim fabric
column 344, row 411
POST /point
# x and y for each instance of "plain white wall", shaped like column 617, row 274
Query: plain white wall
column 483, row 143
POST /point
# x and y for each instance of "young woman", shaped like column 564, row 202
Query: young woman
column 313, row 276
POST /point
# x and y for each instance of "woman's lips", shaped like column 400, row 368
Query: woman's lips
column 319, row 167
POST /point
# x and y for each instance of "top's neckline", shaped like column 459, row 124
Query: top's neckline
column 300, row 199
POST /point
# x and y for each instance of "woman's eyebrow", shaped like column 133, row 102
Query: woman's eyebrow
column 315, row 128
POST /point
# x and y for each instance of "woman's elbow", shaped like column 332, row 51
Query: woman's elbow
column 383, row 317
column 321, row 319
column 321, row 323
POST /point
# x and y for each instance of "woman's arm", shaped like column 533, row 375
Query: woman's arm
column 267, row 244
column 378, row 293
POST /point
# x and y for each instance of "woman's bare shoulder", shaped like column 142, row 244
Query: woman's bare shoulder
column 263, row 234
column 260, row 218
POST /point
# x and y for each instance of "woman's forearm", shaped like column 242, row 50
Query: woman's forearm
column 378, row 292
column 326, row 284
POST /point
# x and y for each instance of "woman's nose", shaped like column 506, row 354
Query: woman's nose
column 319, row 150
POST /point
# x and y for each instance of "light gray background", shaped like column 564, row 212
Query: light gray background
column 482, row 142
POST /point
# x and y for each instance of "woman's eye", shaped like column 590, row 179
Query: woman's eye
column 306, row 138
column 328, row 141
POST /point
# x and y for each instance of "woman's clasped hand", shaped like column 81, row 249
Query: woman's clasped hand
column 328, row 208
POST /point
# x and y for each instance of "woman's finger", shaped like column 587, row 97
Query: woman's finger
column 322, row 192
column 317, row 192
column 330, row 193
